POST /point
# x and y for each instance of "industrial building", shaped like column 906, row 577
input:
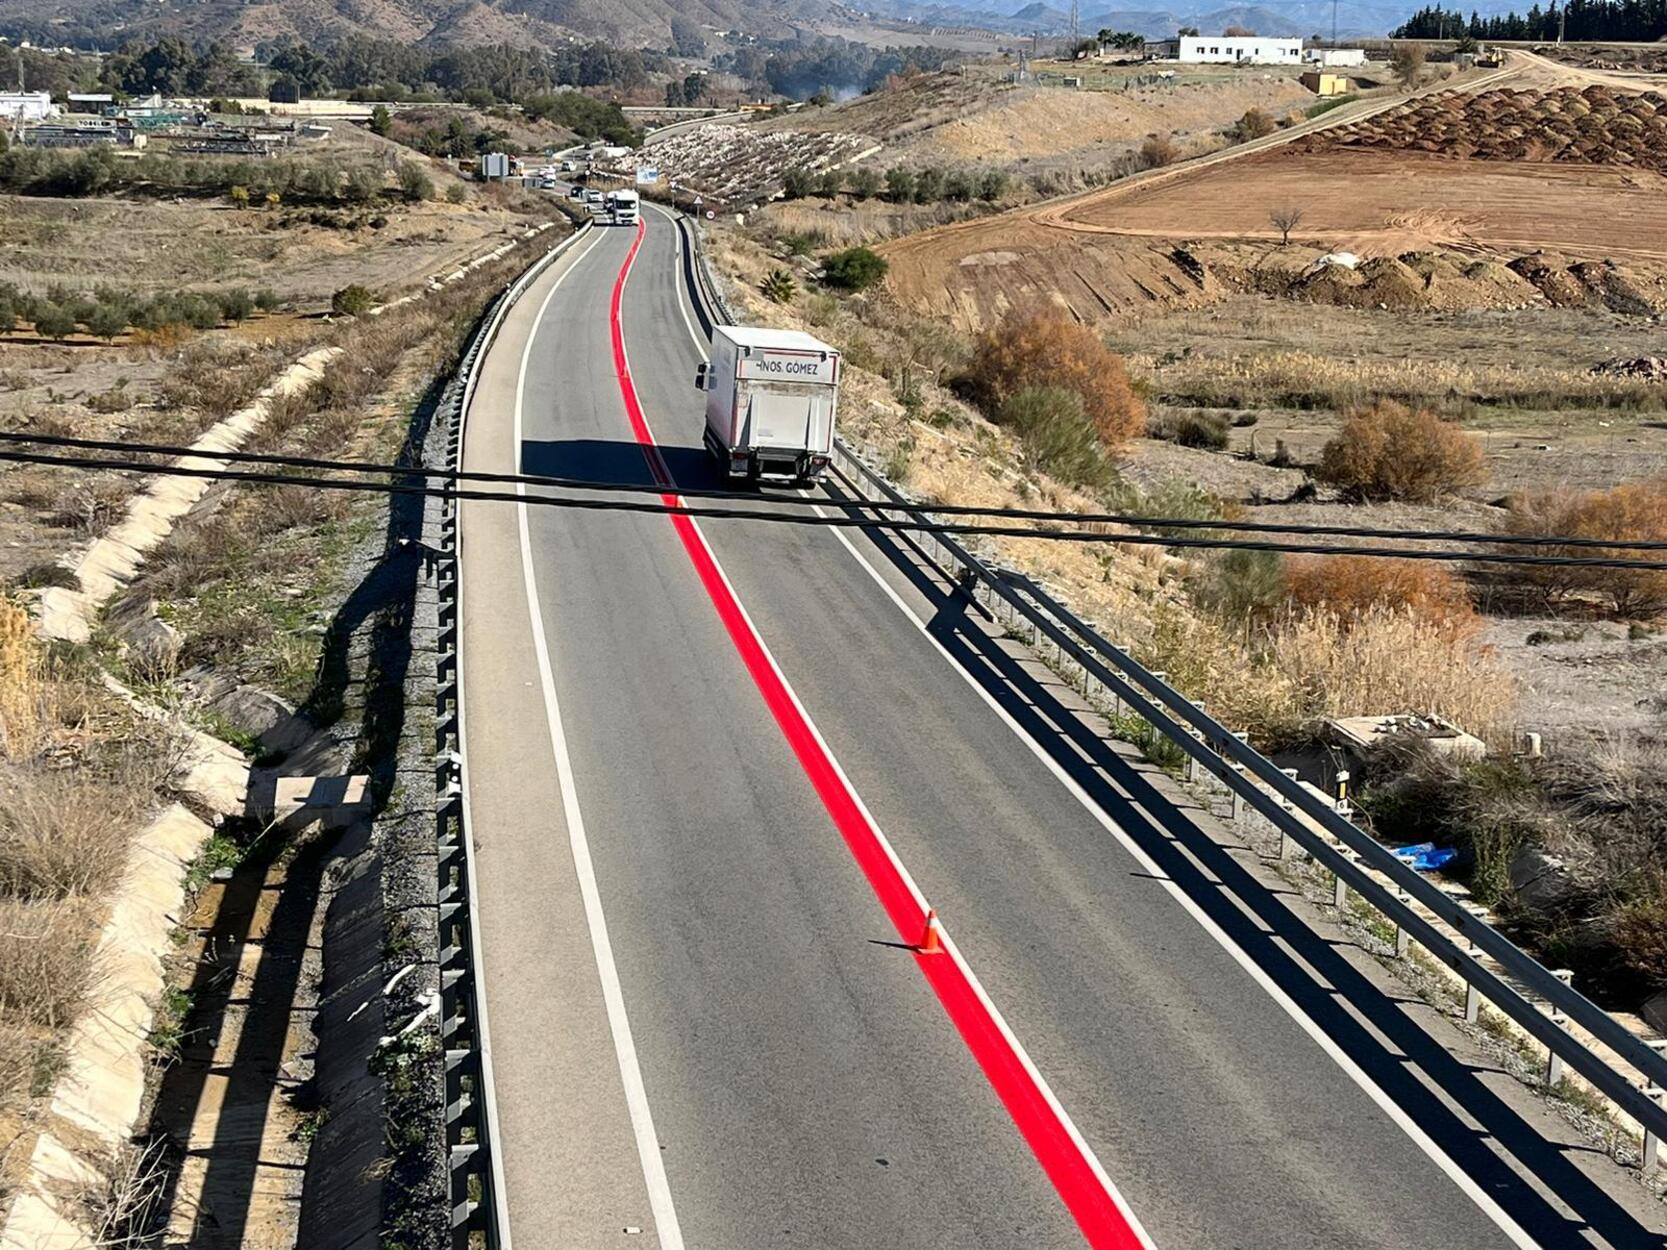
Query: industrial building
column 1240, row 50
column 1335, row 58
column 25, row 106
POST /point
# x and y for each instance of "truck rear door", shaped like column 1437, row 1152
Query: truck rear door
column 780, row 414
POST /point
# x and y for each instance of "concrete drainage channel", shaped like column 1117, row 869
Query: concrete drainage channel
column 1617, row 1061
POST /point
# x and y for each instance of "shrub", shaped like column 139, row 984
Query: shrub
column 1191, row 429
column 900, row 186
column 1157, row 151
column 1390, row 451
column 352, row 301
column 798, row 183
column 266, row 299
column 414, row 182
column 1352, row 586
column 1058, row 436
column 830, row 184
column 929, row 185
column 1635, row 511
column 778, row 286
column 1255, row 124
column 235, row 304
column 1241, row 585
column 854, row 269
column 1044, row 347
column 456, row 193
column 239, row 196
column 959, row 186
column 992, row 185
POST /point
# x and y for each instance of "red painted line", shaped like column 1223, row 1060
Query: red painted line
column 1062, row 1156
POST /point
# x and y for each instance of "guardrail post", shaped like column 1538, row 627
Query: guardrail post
column 1472, row 995
column 1652, row 1144
column 1287, row 844
column 1340, row 887
column 1554, row 1066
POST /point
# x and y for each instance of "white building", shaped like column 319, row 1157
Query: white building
column 1335, row 58
column 1240, row 50
column 25, row 106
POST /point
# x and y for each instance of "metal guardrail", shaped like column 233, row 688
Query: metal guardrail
column 478, row 1200
column 1346, row 850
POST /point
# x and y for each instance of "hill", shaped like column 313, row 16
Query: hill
column 105, row 23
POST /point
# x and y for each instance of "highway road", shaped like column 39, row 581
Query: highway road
column 716, row 773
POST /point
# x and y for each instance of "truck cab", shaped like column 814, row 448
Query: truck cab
column 625, row 208
column 771, row 400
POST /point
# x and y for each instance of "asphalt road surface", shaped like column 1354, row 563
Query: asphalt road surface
column 715, row 773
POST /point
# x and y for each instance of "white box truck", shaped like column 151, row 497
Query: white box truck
column 623, row 207
column 771, row 399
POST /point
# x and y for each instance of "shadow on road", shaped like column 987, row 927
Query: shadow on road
column 1405, row 1061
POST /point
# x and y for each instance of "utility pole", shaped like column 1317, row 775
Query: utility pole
column 1334, row 23
column 1074, row 16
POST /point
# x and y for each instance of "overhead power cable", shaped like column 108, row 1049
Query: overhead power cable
column 801, row 501
column 847, row 521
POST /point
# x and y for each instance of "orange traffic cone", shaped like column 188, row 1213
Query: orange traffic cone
column 931, row 943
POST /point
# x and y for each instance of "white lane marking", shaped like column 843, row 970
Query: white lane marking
column 949, row 946
column 1353, row 1070
column 613, row 995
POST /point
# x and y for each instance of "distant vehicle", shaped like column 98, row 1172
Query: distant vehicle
column 568, row 167
column 624, row 207
column 771, row 400
column 575, row 193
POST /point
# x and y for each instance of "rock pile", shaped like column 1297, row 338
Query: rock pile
column 1594, row 125
column 1647, row 368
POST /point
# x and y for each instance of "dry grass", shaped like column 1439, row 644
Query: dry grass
column 44, row 954
column 64, row 833
column 1352, row 586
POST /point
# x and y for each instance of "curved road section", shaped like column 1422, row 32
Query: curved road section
column 718, row 771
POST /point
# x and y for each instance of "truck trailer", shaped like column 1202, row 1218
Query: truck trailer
column 771, row 399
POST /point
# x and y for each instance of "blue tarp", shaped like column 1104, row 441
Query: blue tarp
column 1425, row 856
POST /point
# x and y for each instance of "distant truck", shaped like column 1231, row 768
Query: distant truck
column 771, row 400
column 623, row 207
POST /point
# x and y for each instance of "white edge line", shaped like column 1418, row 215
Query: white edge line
column 666, row 1227
column 1353, row 1070
column 626, row 1055
column 483, row 1030
column 1054, row 1105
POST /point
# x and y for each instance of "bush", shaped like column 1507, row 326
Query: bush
column 1636, row 511
column 854, row 269
column 1158, row 151
column 414, row 182
column 1241, row 585
column 992, row 185
column 900, row 186
column 352, row 301
column 1191, row 429
column 239, row 196
column 266, row 299
column 1046, row 348
column 864, row 184
column 1390, row 451
column 1255, row 124
column 929, row 186
column 1351, row 586
column 235, row 304
column 1058, row 437
column 456, row 193
column 796, row 184
column 778, row 286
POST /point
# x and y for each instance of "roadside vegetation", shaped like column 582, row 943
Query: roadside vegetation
column 267, row 182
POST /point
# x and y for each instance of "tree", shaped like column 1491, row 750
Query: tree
column 992, row 185
column 53, row 321
column 1406, row 62
column 1187, row 32
column 381, row 121
column 900, row 185
column 1285, row 218
column 854, row 269
column 798, row 183
column 1044, row 347
column 959, row 186
column 863, row 183
column 830, row 184
column 106, row 321
column 928, row 185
